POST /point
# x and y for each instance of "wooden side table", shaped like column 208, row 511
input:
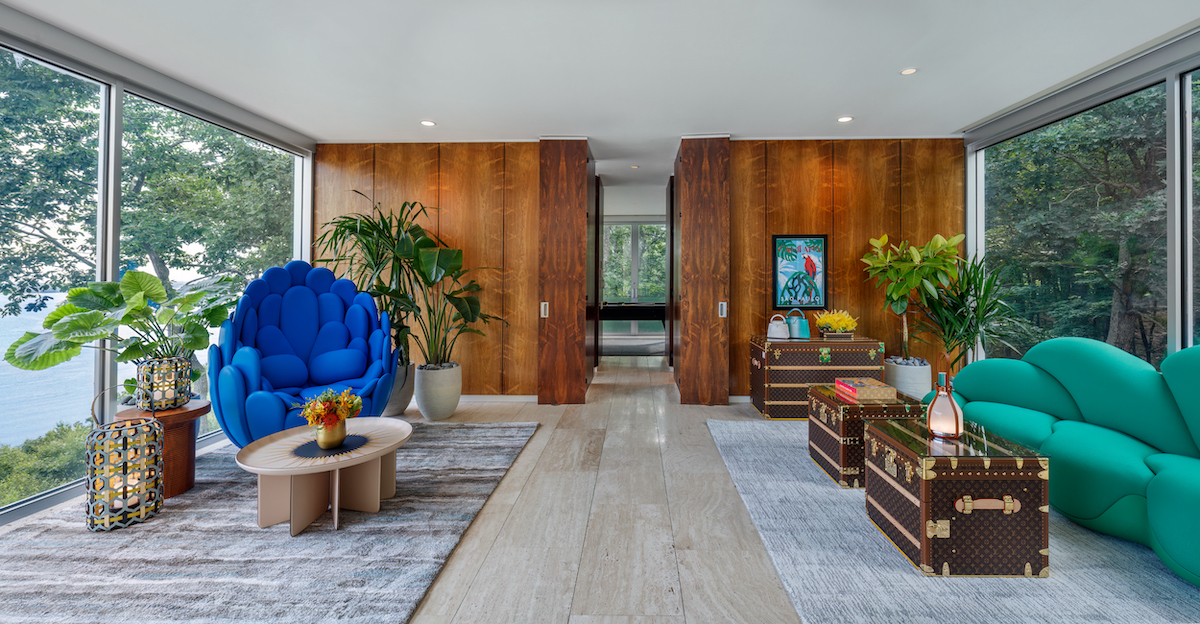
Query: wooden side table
column 179, row 448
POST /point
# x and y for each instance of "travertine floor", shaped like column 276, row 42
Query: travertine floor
column 619, row 511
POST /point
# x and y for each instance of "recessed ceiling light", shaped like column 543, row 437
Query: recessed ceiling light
column 633, row 166
column 428, row 123
column 845, row 119
column 908, row 72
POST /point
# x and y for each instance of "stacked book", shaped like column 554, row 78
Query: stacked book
column 857, row 389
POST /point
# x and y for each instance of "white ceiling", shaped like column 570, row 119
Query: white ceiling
column 631, row 75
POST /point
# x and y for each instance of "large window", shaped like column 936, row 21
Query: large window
column 1193, row 100
column 49, row 172
column 634, row 271
column 1076, row 224
column 198, row 200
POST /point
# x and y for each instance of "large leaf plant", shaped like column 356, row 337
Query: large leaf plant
column 162, row 326
column 378, row 251
column 908, row 273
column 450, row 307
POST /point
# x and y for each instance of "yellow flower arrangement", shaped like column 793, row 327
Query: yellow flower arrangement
column 330, row 408
column 836, row 321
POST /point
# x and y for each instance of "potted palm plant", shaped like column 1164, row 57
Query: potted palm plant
column 378, row 251
column 910, row 274
column 166, row 330
column 448, row 308
column 970, row 311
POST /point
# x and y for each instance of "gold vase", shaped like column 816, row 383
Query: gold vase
column 328, row 438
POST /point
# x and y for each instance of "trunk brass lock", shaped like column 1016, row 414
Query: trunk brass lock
column 940, row 529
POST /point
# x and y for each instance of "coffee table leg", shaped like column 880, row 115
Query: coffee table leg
column 387, row 475
column 310, row 499
column 360, row 486
column 274, row 500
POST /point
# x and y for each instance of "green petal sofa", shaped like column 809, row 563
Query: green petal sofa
column 1123, row 438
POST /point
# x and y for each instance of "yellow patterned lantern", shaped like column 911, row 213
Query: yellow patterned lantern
column 124, row 476
column 163, row 383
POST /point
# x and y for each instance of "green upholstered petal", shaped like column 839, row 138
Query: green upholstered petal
column 1016, row 382
column 1168, row 461
column 1023, row 426
column 1091, row 468
column 1181, row 370
column 1125, row 519
column 1116, row 390
column 1173, row 503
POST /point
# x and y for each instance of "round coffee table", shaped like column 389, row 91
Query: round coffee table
column 300, row 487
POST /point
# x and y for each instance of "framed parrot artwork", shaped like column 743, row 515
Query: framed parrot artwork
column 801, row 274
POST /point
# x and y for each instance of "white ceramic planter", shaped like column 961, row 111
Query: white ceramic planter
column 438, row 391
column 402, row 392
column 915, row 381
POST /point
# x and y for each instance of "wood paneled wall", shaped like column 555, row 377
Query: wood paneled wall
column 702, row 174
column 564, row 367
column 486, row 200
column 850, row 191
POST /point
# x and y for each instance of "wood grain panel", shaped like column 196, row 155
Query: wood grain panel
column 799, row 187
column 749, row 276
column 591, row 339
column 563, row 199
column 408, row 172
column 933, row 200
column 471, row 218
column 340, row 169
column 703, row 359
column 866, row 204
column 520, row 274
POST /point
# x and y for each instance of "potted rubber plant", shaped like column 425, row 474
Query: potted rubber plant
column 166, row 331
column 971, row 311
column 910, row 274
column 448, row 308
column 378, row 251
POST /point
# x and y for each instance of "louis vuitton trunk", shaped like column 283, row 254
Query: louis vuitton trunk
column 782, row 370
column 976, row 506
column 835, row 429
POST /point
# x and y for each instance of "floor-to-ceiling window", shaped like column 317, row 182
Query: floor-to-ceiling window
column 1076, row 224
column 1192, row 109
column 634, row 271
column 49, row 179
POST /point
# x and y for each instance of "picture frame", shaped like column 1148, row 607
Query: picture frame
column 800, row 272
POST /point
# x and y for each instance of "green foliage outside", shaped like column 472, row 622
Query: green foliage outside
column 617, row 248
column 652, row 270
column 43, row 463
column 617, row 262
column 1076, row 224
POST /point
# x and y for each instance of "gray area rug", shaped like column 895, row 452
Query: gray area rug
column 205, row 559
column 837, row 567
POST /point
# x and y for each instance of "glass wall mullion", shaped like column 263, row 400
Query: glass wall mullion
column 634, row 262
column 108, row 231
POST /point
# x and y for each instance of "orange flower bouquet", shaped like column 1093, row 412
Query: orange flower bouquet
column 328, row 413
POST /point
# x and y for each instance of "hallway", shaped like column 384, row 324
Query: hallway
column 619, row 511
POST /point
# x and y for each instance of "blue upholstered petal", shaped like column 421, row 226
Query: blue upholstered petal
column 311, row 393
column 265, row 414
column 271, row 341
column 289, row 399
column 332, row 337
column 374, row 371
column 233, row 405
column 383, row 390
column 385, row 326
column 249, row 328
column 294, row 420
column 269, row 310
column 247, row 360
column 368, row 389
column 284, row 370
column 299, row 324
column 227, row 340
column 214, row 367
column 330, row 309
column 376, row 341
column 345, row 289
column 360, row 344
column 337, row 365
column 298, row 269
column 266, row 384
column 239, row 315
column 319, row 279
column 293, row 390
column 357, row 322
column 278, row 279
column 368, row 304
column 368, row 407
column 256, row 290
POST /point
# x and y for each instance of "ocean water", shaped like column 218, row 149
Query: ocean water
column 34, row 401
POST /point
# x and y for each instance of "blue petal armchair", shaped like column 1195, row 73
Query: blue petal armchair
column 297, row 331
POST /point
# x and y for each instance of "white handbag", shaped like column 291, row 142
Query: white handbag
column 777, row 329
